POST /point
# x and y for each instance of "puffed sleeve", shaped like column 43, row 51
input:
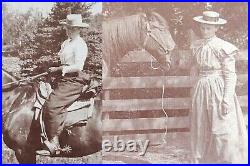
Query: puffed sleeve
column 80, row 54
column 228, row 67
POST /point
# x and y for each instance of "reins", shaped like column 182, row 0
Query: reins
column 7, row 85
column 149, row 34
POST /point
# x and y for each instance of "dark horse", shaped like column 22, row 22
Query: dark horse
column 148, row 31
column 21, row 132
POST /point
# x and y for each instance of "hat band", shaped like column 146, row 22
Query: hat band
column 73, row 22
column 211, row 19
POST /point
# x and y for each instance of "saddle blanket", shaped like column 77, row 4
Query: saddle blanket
column 78, row 113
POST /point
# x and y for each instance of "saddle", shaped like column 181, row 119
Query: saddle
column 78, row 113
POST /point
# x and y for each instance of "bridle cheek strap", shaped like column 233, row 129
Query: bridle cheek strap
column 150, row 34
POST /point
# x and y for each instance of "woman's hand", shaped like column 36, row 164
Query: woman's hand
column 55, row 69
column 225, row 107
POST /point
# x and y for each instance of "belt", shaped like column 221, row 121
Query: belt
column 210, row 72
column 75, row 74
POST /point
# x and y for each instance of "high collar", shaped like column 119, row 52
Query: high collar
column 74, row 38
column 209, row 39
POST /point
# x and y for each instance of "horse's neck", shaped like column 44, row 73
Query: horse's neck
column 123, row 35
column 16, row 97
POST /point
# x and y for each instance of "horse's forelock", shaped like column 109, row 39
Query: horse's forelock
column 159, row 18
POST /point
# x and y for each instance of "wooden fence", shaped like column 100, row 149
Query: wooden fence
column 132, row 101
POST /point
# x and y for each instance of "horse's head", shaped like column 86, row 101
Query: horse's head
column 157, row 39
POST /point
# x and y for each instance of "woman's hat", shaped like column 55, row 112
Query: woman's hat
column 210, row 17
column 74, row 20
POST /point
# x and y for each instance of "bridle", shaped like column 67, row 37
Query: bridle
column 150, row 34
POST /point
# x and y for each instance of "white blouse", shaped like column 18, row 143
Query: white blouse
column 73, row 54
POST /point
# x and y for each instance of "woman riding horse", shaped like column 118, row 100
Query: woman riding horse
column 73, row 54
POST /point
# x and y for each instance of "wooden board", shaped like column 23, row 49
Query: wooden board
column 143, row 56
column 145, row 123
column 154, row 104
column 155, row 81
column 145, row 104
column 154, row 138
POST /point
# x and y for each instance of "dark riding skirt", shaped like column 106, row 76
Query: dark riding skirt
column 66, row 91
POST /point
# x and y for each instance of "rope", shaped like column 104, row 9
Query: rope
column 162, row 106
column 24, row 80
column 151, row 65
column 165, row 113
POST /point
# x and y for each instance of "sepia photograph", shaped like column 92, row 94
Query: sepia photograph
column 51, row 82
column 175, row 82
column 125, row 82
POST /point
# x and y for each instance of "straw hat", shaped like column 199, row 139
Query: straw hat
column 74, row 20
column 210, row 17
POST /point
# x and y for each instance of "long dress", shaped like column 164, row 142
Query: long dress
column 216, row 137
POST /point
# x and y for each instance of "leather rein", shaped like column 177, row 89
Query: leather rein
column 9, row 85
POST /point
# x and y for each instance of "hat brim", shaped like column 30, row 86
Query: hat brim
column 200, row 20
column 82, row 25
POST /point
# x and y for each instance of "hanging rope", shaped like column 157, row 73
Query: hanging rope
column 162, row 105
column 151, row 64
column 164, row 111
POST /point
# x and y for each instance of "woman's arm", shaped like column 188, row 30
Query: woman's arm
column 230, row 79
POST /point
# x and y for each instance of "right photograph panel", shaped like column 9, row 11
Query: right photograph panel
column 175, row 82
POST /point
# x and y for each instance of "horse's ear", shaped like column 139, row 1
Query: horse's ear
column 155, row 17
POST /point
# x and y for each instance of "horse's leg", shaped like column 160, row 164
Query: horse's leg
column 26, row 156
column 26, row 148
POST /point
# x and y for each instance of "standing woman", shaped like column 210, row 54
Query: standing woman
column 218, row 131
column 72, row 55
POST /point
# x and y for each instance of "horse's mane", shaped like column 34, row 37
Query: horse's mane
column 126, row 33
column 27, row 91
column 122, row 34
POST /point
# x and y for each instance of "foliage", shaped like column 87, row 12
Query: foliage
column 17, row 26
column 179, row 17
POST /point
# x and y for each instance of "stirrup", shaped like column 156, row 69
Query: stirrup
column 52, row 149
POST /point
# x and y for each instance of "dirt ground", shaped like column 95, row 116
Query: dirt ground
column 175, row 151
column 168, row 154
column 8, row 157
column 165, row 153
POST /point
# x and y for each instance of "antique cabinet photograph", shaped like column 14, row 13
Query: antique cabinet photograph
column 125, row 82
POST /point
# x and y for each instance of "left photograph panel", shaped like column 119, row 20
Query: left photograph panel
column 51, row 82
